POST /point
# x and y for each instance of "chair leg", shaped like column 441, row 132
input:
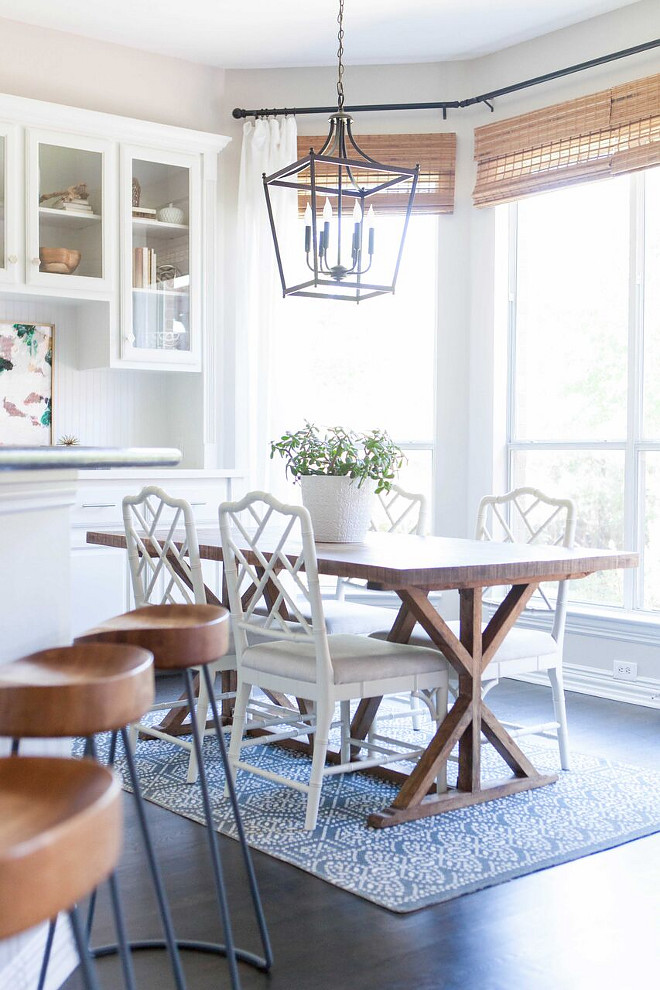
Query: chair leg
column 557, row 683
column 345, row 718
column 324, row 713
column 416, row 710
column 238, row 728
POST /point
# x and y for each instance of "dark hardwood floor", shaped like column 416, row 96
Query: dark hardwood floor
column 592, row 923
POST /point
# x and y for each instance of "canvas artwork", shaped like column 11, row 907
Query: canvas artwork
column 26, row 384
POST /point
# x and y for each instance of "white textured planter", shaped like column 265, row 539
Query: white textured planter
column 339, row 507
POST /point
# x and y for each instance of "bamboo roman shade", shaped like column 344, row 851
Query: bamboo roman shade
column 435, row 153
column 615, row 131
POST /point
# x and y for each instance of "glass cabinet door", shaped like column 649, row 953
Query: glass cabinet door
column 68, row 211
column 160, row 256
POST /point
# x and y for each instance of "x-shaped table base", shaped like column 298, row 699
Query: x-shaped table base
column 467, row 719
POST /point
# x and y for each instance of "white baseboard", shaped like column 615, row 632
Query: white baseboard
column 601, row 684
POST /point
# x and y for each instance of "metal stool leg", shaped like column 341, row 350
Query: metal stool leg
column 86, row 964
column 249, row 867
column 213, row 845
column 154, row 869
column 120, row 928
column 48, row 948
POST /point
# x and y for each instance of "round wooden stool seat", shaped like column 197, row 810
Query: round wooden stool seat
column 179, row 636
column 60, row 835
column 75, row 690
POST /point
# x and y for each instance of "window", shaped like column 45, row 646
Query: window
column 365, row 365
column 584, row 368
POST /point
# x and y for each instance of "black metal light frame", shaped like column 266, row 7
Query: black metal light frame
column 345, row 162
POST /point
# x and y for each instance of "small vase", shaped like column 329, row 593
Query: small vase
column 340, row 507
column 170, row 214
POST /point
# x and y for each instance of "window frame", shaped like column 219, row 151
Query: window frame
column 634, row 445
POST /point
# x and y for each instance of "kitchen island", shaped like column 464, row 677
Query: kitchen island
column 37, row 490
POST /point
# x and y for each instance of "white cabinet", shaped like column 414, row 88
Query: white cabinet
column 136, row 360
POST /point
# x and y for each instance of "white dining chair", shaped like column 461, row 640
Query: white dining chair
column 292, row 655
column 163, row 572
column 527, row 515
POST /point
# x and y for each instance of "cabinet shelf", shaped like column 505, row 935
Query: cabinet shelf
column 62, row 218
column 158, row 231
column 155, row 291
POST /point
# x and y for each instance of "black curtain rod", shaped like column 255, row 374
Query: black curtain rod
column 456, row 104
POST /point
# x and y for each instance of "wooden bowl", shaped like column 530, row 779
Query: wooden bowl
column 60, row 261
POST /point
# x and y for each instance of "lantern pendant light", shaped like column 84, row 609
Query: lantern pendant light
column 341, row 186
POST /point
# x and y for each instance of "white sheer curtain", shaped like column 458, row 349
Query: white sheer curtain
column 268, row 145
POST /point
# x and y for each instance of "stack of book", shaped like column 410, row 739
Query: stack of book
column 144, row 267
column 144, row 213
column 76, row 206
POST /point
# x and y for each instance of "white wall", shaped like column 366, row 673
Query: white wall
column 64, row 68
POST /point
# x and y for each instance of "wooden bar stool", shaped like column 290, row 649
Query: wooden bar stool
column 184, row 638
column 60, row 837
column 82, row 691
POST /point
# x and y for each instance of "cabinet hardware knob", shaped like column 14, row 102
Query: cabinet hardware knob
column 36, row 261
column 12, row 259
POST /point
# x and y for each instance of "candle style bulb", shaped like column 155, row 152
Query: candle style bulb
column 327, row 217
column 357, row 212
column 371, row 220
column 308, row 228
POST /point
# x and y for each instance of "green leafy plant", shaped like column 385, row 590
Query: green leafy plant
column 336, row 451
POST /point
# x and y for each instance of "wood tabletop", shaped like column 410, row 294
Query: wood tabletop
column 434, row 562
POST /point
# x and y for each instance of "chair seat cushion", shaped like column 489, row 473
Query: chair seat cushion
column 519, row 645
column 349, row 618
column 354, row 659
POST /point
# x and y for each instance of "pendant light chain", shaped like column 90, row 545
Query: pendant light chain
column 339, row 246
column 340, row 53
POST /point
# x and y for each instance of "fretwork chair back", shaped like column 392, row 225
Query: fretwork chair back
column 394, row 511
column 268, row 549
column 399, row 511
column 60, row 837
column 527, row 515
column 165, row 566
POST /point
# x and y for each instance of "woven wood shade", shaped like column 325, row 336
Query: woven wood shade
column 615, row 131
column 435, row 153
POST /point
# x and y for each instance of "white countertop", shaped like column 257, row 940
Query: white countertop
column 85, row 458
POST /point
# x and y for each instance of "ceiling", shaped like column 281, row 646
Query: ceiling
column 281, row 33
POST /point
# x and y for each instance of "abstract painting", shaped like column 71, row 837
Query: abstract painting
column 26, row 384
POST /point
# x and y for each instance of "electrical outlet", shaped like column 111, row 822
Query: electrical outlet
column 624, row 670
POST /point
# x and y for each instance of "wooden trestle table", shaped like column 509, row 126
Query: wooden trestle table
column 413, row 566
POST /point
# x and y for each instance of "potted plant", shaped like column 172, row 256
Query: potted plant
column 339, row 471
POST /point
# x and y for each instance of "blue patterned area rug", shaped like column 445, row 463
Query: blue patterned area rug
column 595, row 806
